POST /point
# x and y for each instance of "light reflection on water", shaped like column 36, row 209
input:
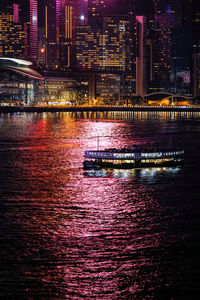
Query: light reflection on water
column 107, row 234
column 148, row 173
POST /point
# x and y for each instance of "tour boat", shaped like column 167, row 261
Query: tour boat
column 135, row 157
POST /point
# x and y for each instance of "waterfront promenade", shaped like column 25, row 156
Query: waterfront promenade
column 40, row 109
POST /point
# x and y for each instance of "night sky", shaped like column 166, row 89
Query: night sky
column 142, row 6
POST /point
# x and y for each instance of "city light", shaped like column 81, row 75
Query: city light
column 99, row 149
column 132, row 54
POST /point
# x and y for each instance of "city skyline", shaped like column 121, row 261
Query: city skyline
column 145, row 48
column 99, row 149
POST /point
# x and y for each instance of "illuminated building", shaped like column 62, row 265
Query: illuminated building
column 20, row 84
column 82, row 8
column 108, row 88
column 33, row 34
column 60, row 25
column 50, row 33
column 60, row 91
column 165, row 20
column 169, row 48
column 108, row 48
column 12, row 33
column 116, row 40
column 88, row 50
column 20, row 20
column 196, row 79
column 150, row 29
column 186, row 51
column 141, row 57
column 96, row 11
column 196, row 48
column 181, row 61
column 41, row 46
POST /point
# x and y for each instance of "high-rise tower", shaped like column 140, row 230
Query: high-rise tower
column 26, row 13
column 141, row 56
column 165, row 20
column 109, row 47
column 196, row 48
column 33, row 52
column 60, row 25
column 96, row 11
column 12, row 33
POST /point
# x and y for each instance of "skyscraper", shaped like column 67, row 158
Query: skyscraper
column 12, row 32
column 196, row 48
column 108, row 47
column 33, row 40
column 165, row 20
column 60, row 26
column 82, row 7
column 88, row 50
column 26, row 14
column 117, row 39
column 141, row 56
column 96, row 11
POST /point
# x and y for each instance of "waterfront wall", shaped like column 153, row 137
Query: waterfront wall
column 32, row 109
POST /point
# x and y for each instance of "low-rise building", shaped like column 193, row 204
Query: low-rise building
column 20, row 84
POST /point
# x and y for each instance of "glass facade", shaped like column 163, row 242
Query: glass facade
column 60, row 91
column 19, row 83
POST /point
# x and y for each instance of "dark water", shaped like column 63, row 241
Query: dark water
column 109, row 234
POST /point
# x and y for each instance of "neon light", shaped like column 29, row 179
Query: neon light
column 33, row 30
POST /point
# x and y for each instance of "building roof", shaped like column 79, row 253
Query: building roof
column 15, row 61
column 22, row 67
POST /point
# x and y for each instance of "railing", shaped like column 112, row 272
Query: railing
column 108, row 155
column 131, row 155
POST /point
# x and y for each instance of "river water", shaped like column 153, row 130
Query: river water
column 108, row 234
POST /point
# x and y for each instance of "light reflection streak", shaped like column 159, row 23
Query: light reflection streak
column 108, row 231
column 148, row 173
column 138, row 115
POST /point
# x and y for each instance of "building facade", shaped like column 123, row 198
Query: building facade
column 20, row 84
column 60, row 91
column 116, row 42
column 96, row 11
column 88, row 50
column 60, row 32
column 19, row 29
column 12, row 33
column 162, row 46
column 108, row 47
column 33, row 31
column 141, row 56
column 196, row 48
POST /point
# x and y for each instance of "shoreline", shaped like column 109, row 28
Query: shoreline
column 37, row 109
